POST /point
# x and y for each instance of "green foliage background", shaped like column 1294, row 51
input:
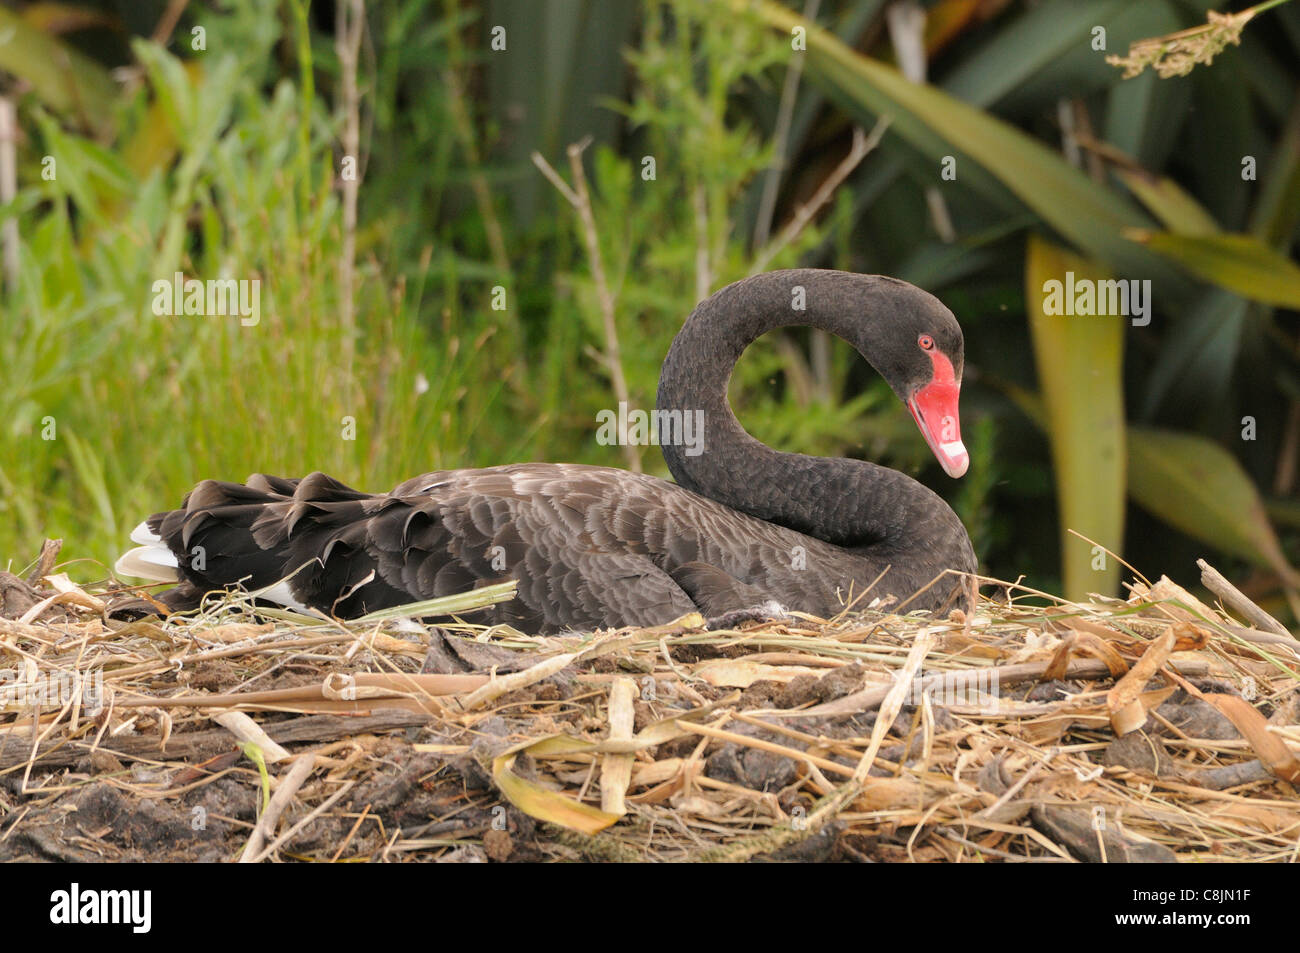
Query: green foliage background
column 225, row 161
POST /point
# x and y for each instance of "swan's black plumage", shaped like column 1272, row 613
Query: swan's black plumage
column 592, row 546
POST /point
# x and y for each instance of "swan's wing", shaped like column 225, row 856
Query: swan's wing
column 316, row 542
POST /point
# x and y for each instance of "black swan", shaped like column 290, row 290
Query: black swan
column 597, row 547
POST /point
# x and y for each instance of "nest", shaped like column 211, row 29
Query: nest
column 1157, row 728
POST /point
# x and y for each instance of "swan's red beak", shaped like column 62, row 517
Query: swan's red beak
column 934, row 408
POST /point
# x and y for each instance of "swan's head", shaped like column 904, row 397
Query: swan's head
column 934, row 408
column 921, row 357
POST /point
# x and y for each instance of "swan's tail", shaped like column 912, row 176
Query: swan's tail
column 233, row 535
column 152, row 560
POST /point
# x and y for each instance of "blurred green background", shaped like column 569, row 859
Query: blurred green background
column 467, row 315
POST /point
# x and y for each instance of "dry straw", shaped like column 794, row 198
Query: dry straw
column 1036, row 730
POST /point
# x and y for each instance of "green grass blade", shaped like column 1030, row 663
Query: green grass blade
column 1089, row 215
column 1240, row 263
column 1195, row 485
column 1027, row 46
column 447, row 605
column 1080, row 362
column 1167, row 201
column 63, row 79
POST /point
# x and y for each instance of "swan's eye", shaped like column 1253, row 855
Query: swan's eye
column 926, row 342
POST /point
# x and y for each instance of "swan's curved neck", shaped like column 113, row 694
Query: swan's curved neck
column 851, row 503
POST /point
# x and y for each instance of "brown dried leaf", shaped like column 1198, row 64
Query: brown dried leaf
column 1091, row 645
column 1190, row 637
column 1056, row 669
column 543, row 804
column 1127, row 712
column 1254, row 728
